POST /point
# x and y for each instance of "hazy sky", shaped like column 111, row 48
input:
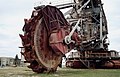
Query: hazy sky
column 13, row 12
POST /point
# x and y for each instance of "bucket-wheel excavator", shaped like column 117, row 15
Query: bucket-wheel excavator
column 49, row 35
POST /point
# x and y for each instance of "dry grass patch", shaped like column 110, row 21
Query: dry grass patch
column 64, row 72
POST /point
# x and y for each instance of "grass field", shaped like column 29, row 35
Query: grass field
column 25, row 72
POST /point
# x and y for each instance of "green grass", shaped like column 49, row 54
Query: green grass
column 64, row 72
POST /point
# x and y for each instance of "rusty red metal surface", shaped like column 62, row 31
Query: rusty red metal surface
column 43, row 39
column 112, row 64
column 56, row 41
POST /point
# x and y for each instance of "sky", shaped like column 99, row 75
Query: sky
column 13, row 12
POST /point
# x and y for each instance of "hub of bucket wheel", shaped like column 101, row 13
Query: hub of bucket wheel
column 43, row 39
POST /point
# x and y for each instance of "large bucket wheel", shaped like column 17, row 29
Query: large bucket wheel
column 43, row 39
